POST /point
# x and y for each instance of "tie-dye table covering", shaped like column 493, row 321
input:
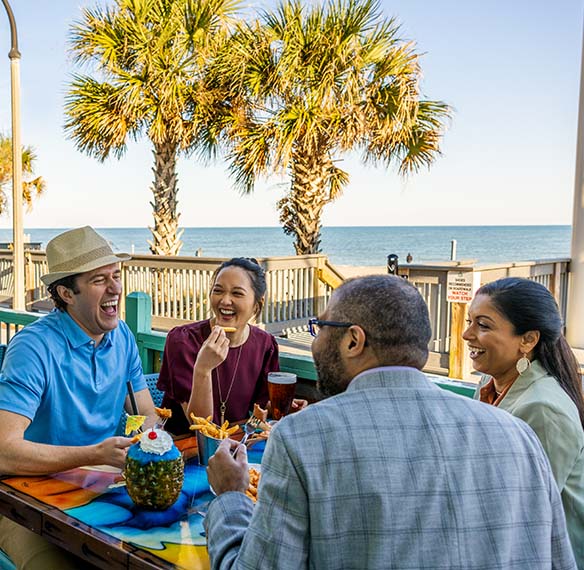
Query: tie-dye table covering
column 96, row 498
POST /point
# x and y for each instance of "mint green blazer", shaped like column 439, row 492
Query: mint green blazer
column 538, row 399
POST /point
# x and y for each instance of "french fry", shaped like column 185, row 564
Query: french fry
column 163, row 413
column 229, row 329
column 208, row 428
column 254, row 481
column 212, row 431
column 198, row 420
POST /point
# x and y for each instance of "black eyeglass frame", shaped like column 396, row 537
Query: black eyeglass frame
column 318, row 323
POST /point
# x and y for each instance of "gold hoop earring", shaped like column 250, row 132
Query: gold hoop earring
column 523, row 364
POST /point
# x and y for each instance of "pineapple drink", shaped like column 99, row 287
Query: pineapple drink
column 154, row 470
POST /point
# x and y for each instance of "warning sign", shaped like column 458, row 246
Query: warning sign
column 459, row 286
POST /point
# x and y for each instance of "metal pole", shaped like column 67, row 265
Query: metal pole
column 574, row 321
column 17, row 226
column 452, row 250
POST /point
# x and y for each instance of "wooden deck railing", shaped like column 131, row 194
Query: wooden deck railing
column 448, row 354
column 298, row 287
column 151, row 345
column 180, row 287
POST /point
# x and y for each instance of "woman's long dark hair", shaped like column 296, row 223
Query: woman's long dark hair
column 529, row 306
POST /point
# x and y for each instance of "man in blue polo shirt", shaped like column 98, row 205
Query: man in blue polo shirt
column 63, row 381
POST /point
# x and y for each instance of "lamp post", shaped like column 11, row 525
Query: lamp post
column 574, row 322
column 17, row 229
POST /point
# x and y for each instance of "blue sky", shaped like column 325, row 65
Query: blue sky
column 509, row 68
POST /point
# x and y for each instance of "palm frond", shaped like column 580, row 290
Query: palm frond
column 100, row 117
column 150, row 59
column 323, row 79
column 338, row 180
column 31, row 187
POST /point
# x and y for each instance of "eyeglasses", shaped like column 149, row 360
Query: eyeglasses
column 314, row 325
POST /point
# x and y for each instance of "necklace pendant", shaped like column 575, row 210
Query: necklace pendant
column 222, row 402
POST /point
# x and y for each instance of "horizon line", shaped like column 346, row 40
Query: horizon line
column 323, row 227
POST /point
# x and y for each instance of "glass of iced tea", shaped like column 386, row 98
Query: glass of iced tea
column 281, row 389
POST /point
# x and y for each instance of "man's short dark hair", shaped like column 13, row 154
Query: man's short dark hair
column 70, row 282
column 393, row 315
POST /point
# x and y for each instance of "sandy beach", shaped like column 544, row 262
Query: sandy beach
column 360, row 270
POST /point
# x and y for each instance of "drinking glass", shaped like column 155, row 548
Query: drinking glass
column 281, row 389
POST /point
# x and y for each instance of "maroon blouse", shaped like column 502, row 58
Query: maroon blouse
column 259, row 355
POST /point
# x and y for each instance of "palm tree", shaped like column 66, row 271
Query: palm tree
column 148, row 56
column 311, row 83
column 31, row 186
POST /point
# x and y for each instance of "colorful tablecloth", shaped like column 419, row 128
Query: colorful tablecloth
column 100, row 499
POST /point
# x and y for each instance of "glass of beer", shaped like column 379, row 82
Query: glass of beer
column 281, row 389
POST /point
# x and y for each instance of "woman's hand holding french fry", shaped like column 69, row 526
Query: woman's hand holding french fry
column 213, row 351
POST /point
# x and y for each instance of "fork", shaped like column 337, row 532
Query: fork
column 161, row 422
column 249, row 428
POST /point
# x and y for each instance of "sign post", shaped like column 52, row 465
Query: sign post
column 460, row 286
column 460, row 290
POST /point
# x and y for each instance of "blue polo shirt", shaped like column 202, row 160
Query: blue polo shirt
column 72, row 391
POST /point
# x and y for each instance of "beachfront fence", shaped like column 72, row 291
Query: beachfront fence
column 298, row 288
column 151, row 346
column 447, row 349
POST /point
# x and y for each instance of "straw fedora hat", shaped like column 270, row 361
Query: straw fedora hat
column 78, row 251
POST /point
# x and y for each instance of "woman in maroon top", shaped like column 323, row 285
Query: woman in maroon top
column 207, row 370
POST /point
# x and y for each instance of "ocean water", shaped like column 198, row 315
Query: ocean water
column 353, row 245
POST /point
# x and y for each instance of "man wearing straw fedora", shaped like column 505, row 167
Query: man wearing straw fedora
column 63, row 384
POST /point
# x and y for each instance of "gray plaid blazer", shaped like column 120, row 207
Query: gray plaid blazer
column 396, row 473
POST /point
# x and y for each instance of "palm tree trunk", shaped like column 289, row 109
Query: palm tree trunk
column 301, row 209
column 165, row 234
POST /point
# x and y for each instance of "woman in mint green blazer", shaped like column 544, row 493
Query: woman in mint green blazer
column 515, row 338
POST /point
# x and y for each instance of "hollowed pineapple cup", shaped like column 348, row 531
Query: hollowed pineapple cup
column 155, row 484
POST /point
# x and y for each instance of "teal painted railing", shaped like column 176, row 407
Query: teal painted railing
column 151, row 343
column 139, row 319
column 12, row 321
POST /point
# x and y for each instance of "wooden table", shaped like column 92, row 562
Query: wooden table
column 85, row 512
column 98, row 548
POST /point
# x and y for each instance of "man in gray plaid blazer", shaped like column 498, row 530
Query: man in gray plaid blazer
column 390, row 471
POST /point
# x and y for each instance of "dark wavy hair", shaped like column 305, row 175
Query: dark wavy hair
column 256, row 274
column 393, row 315
column 529, row 306
column 70, row 282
